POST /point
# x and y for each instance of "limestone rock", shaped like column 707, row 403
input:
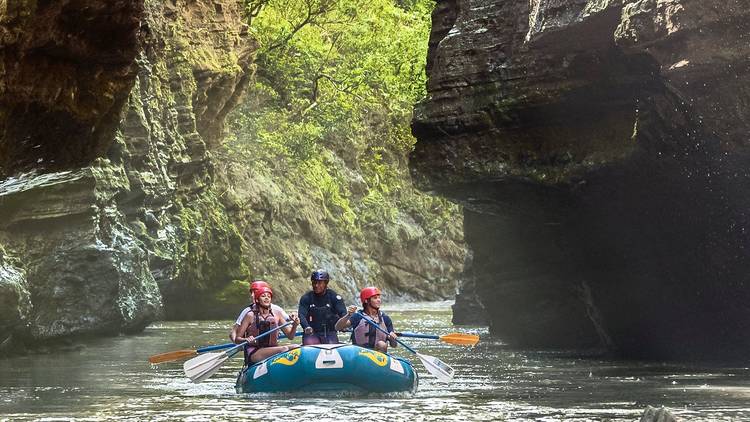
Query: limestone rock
column 111, row 203
column 652, row 414
column 289, row 235
column 14, row 300
column 108, row 111
column 600, row 149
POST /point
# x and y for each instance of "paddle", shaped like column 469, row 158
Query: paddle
column 204, row 366
column 435, row 366
column 186, row 353
column 460, row 339
column 181, row 354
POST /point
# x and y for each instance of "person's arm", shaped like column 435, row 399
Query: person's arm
column 391, row 332
column 302, row 311
column 339, row 307
column 235, row 328
column 282, row 311
column 243, row 329
column 344, row 322
column 304, row 307
column 289, row 330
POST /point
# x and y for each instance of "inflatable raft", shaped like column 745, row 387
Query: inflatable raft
column 329, row 367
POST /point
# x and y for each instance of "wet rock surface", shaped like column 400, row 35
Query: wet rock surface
column 108, row 209
column 653, row 414
column 600, row 149
column 63, row 83
column 14, row 300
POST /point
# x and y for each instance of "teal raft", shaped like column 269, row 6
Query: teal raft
column 329, row 367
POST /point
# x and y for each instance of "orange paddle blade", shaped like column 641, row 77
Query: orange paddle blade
column 461, row 339
column 171, row 356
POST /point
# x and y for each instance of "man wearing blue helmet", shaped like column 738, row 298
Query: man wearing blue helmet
column 319, row 309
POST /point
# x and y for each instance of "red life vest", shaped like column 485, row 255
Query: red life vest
column 261, row 325
column 366, row 335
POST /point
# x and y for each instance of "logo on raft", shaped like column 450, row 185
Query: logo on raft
column 288, row 358
column 380, row 359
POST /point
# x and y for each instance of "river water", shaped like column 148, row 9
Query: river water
column 110, row 379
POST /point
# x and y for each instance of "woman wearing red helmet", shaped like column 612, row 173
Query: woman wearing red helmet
column 262, row 319
column 364, row 334
column 255, row 285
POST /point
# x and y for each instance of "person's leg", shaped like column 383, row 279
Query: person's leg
column 265, row 352
column 249, row 357
column 381, row 346
column 332, row 338
column 311, row 339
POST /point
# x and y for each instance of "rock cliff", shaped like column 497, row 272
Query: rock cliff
column 107, row 114
column 114, row 208
column 601, row 151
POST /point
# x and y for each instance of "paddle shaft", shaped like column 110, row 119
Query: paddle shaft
column 371, row 322
column 228, row 345
column 217, row 347
column 234, row 350
column 231, row 352
column 268, row 332
column 416, row 335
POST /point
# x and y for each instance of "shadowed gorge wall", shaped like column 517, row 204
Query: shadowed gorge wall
column 64, row 83
column 600, row 149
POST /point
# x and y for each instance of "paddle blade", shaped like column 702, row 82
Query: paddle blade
column 208, row 371
column 461, row 339
column 171, row 356
column 441, row 370
column 202, row 363
column 203, row 366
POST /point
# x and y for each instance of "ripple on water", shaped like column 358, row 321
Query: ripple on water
column 110, row 379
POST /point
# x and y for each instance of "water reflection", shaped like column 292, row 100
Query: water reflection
column 110, row 379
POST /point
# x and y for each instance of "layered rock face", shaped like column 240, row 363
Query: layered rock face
column 601, row 151
column 107, row 113
column 289, row 233
column 115, row 208
column 63, row 83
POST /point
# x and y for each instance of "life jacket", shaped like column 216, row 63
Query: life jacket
column 322, row 315
column 366, row 335
column 261, row 325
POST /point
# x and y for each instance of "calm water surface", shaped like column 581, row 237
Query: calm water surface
column 110, row 379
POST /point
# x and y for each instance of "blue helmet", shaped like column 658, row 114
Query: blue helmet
column 320, row 275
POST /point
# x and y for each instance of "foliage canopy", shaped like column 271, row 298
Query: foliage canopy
column 331, row 104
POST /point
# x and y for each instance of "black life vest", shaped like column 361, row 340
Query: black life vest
column 321, row 313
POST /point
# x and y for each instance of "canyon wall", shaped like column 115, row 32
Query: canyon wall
column 116, row 208
column 601, row 151
column 108, row 111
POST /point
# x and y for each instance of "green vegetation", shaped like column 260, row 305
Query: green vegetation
column 330, row 108
column 213, row 247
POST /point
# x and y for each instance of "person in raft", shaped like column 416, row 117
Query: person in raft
column 364, row 334
column 319, row 309
column 255, row 285
column 264, row 318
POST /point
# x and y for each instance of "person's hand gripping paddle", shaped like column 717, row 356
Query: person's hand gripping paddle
column 441, row 370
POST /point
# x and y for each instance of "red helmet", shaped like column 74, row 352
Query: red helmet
column 260, row 291
column 367, row 293
column 257, row 284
